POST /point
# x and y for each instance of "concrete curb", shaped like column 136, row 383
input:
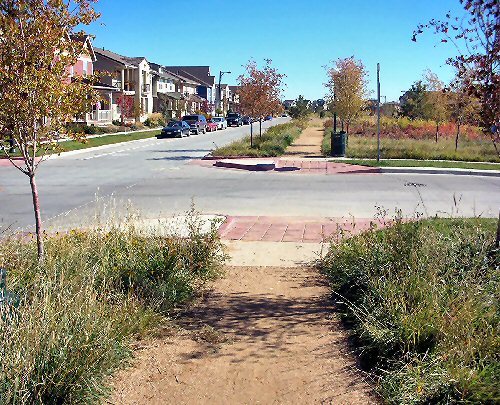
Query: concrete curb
column 259, row 165
column 438, row 170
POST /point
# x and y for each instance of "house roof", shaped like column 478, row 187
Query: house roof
column 175, row 95
column 202, row 73
column 199, row 74
column 156, row 69
column 85, row 41
column 181, row 75
column 123, row 60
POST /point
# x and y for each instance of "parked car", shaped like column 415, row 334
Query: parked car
column 197, row 122
column 233, row 119
column 175, row 129
column 212, row 126
column 246, row 120
column 220, row 121
column 284, row 114
column 268, row 118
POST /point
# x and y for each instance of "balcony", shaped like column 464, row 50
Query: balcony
column 101, row 116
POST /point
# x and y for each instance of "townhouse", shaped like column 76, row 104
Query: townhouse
column 101, row 113
column 132, row 77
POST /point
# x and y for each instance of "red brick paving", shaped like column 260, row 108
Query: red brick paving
column 291, row 229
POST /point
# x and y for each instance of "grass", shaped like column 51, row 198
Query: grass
column 97, row 141
column 95, row 291
column 272, row 143
column 420, row 163
column 422, row 300
column 365, row 147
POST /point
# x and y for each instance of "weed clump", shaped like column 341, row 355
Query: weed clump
column 422, row 301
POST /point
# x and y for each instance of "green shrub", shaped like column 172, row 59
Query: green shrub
column 95, row 290
column 155, row 120
column 422, row 299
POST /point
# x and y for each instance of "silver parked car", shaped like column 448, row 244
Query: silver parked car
column 220, row 121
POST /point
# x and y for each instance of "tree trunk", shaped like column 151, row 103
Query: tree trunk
column 437, row 132
column 38, row 218
column 260, row 128
column 251, row 134
column 456, row 138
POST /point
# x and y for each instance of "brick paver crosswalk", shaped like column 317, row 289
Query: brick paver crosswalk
column 292, row 229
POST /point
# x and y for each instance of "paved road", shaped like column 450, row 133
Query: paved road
column 156, row 177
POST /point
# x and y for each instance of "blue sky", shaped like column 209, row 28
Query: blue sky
column 299, row 36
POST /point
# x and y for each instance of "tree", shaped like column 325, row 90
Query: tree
column 260, row 91
column 476, row 37
column 436, row 100
column 126, row 104
column 300, row 109
column 413, row 101
column 38, row 44
column 347, row 87
column 463, row 107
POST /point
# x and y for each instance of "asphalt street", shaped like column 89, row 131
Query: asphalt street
column 156, row 178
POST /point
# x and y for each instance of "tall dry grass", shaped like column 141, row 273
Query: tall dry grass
column 95, row 291
column 422, row 300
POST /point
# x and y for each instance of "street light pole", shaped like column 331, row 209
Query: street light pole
column 378, row 112
column 220, row 93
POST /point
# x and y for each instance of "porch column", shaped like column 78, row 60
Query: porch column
column 123, row 79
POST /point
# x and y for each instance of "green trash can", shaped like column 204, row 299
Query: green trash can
column 338, row 144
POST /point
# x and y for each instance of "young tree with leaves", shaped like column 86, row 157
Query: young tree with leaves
column 39, row 42
column 301, row 108
column 347, row 85
column 463, row 107
column 126, row 104
column 413, row 101
column 260, row 91
column 436, row 100
column 476, row 37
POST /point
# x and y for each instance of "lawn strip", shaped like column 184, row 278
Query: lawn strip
column 111, row 139
column 420, row 163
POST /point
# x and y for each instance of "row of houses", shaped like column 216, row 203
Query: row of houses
column 132, row 88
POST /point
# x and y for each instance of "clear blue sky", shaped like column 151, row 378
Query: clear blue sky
column 300, row 37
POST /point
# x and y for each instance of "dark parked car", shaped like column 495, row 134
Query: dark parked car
column 233, row 119
column 175, row 129
column 197, row 122
column 246, row 120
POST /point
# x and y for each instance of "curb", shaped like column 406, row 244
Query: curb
column 258, row 165
column 437, row 170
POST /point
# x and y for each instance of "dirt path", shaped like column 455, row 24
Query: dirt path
column 264, row 335
column 308, row 145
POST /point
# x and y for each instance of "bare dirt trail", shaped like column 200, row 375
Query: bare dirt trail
column 263, row 335
column 308, row 144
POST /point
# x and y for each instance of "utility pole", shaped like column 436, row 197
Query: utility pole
column 220, row 93
column 378, row 112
